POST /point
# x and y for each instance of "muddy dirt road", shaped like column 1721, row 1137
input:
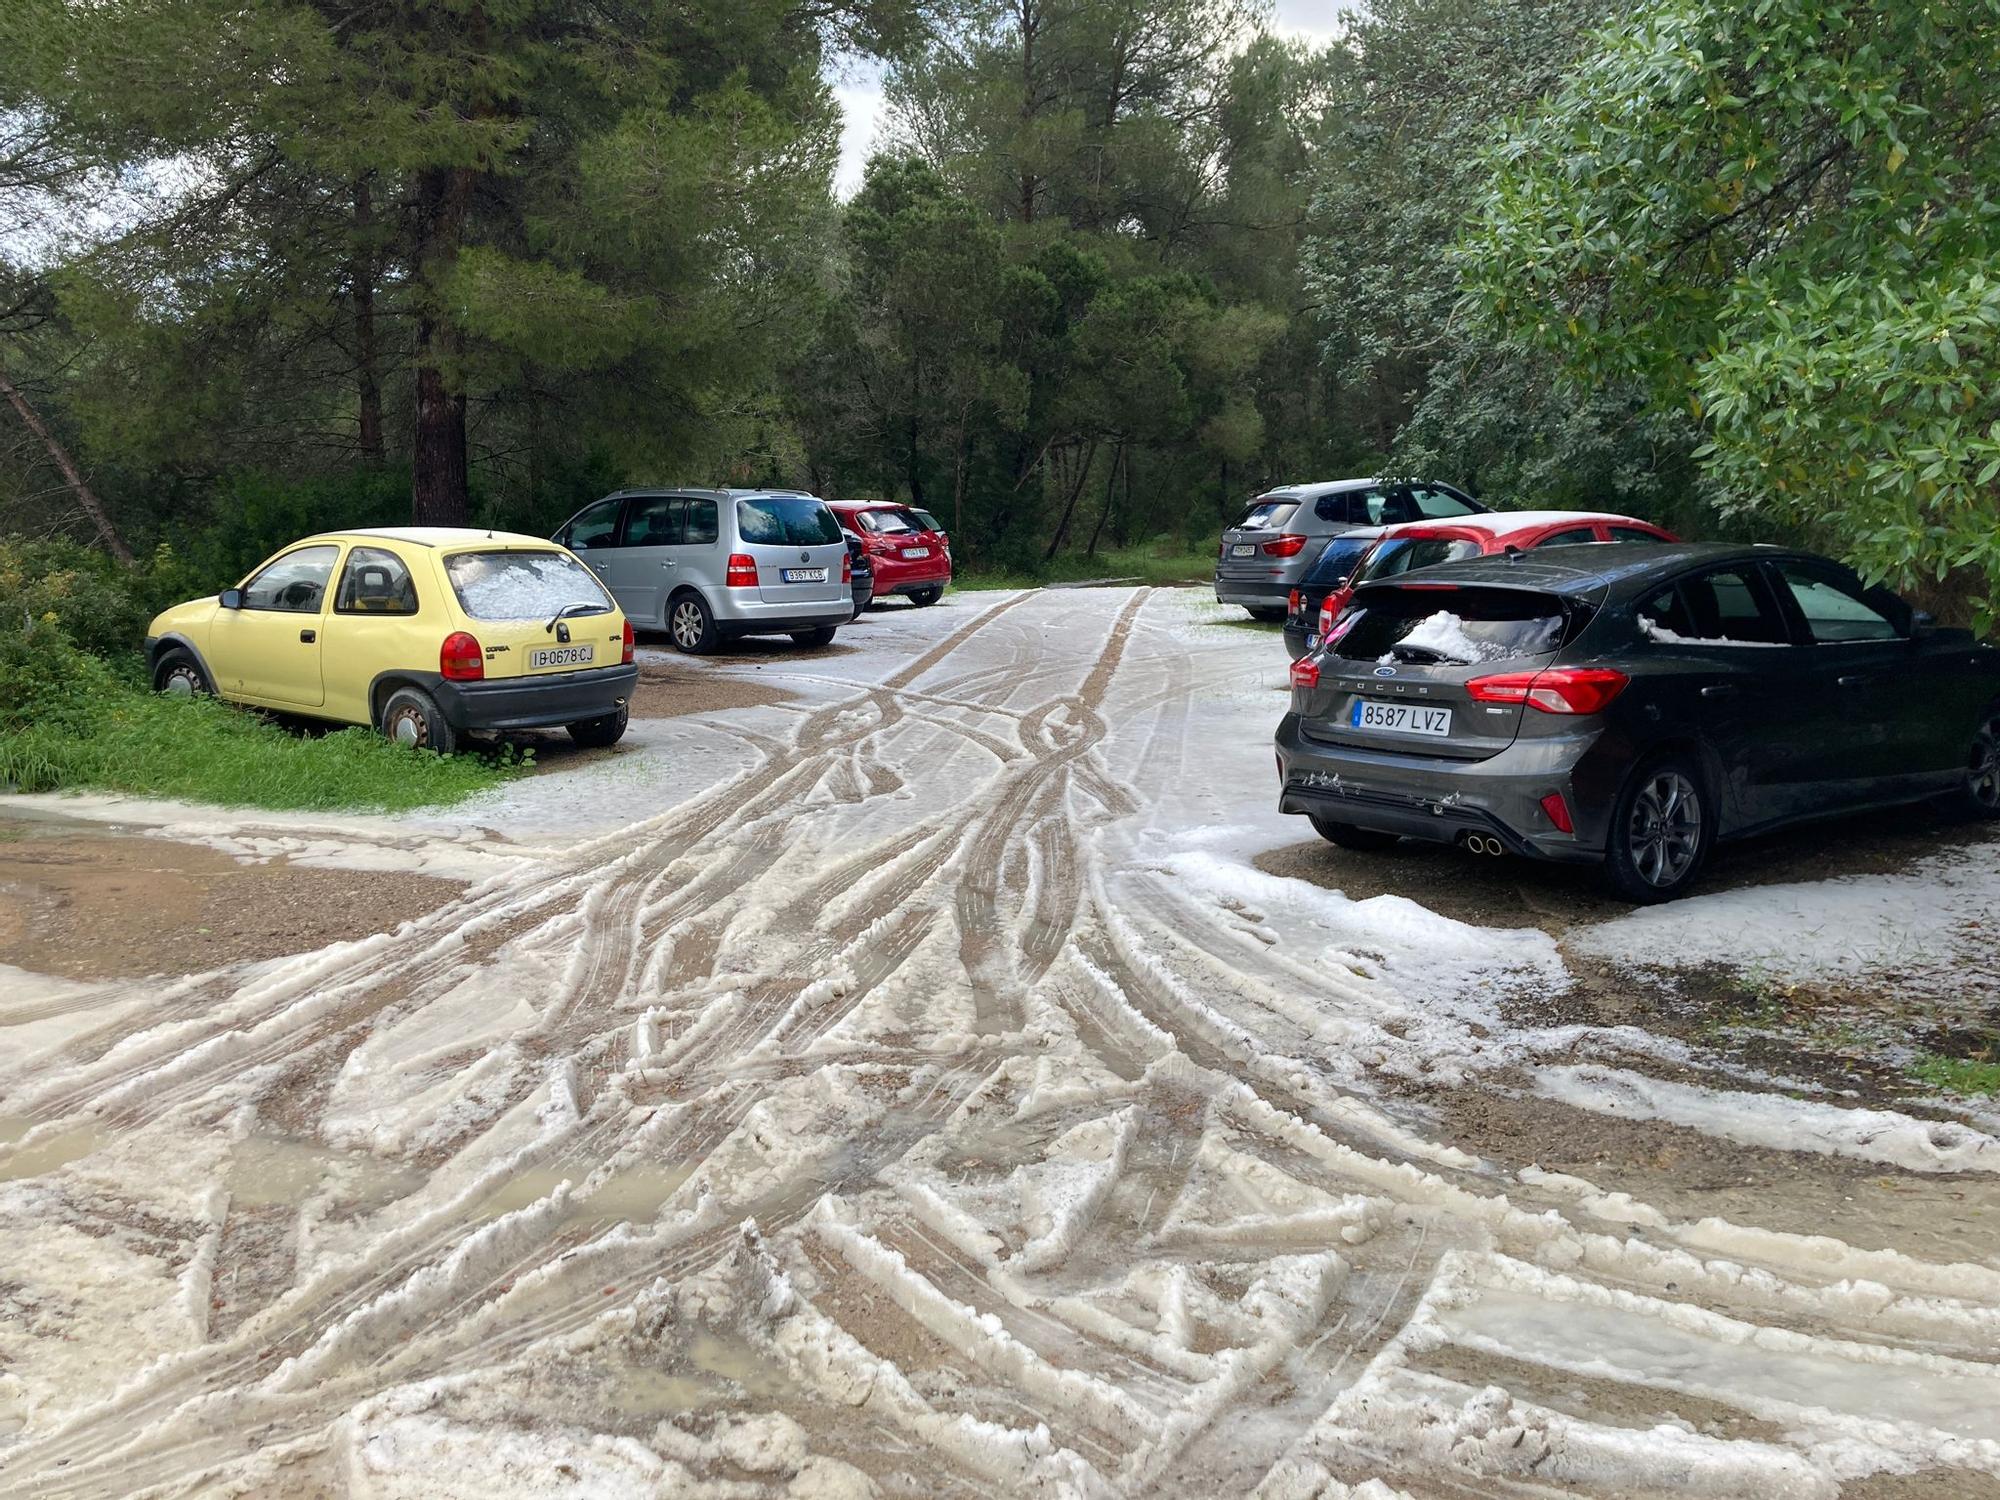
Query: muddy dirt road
column 928, row 1074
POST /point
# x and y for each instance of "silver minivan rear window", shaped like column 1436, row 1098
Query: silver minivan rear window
column 521, row 585
column 786, row 521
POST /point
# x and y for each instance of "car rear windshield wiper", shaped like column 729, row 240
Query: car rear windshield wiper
column 580, row 606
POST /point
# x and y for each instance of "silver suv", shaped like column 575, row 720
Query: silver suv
column 1267, row 552
column 708, row 565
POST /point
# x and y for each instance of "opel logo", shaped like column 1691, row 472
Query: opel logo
column 1385, row 671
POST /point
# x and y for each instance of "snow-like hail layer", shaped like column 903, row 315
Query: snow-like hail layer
column 916, row 1088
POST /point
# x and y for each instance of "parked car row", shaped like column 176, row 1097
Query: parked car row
column 1581, row 687
column 430, row 634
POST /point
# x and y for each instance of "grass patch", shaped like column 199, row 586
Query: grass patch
column 1162, row 560
column 1956, row 1075
column 200, row 750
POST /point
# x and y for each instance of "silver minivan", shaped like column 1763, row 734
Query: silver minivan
column 709, row 565
column 1284, row 530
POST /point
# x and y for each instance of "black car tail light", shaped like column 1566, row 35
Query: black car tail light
column 1553, row 690
column 1305, row 672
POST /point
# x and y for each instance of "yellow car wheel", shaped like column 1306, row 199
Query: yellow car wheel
column 179, row 675
column 411, row 717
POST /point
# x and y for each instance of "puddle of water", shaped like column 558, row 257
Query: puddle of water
column 721, row 1370
column 632, row 1196
column 275, row 1172
column 48, row 1153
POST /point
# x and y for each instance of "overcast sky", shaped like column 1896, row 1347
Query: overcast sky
column 859, row 89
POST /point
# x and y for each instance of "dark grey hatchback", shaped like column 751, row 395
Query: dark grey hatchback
column 1633, row 706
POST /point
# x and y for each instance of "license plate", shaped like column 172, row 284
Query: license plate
column 561, row 656
column 1243, row 549
column 1401, row 718
column 805, row 575
column 1312, row 641
column 916, row 552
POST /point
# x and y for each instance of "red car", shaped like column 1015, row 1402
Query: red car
column 1425, row 544
column 909, row 550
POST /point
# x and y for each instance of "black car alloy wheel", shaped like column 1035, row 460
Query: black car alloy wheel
column 1982, row 775
column 1664, row 829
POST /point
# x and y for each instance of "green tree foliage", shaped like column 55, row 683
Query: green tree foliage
column 1420, row 89
column 517, row 217
column 1068, row 294
column 1781, row 218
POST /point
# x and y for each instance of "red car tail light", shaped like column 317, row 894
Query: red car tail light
column 1288, row 545
column 461, row 658
column 1305, row 672
column 1558, row 811
column 1554, row 690
column 742, row 572
column 1330, row 609
column 626, row 659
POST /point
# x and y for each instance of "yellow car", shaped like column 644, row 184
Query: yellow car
column 427, row 633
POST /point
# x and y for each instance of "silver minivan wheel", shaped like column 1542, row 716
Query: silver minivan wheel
column 689, row 625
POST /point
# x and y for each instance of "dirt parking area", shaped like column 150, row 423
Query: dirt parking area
column 86, row 901
column 931, row 1068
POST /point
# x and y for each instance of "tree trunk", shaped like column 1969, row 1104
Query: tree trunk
column 367, row 355
column 86, row 497
column 440, row 495
column 1110, row 486
column 1069, row 505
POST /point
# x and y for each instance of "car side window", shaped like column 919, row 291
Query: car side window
column 1437, row 505
column 1729, row 607
column 1346, row 507
column 1395, row 508
column 295, row 583
column 595, row 527
column 1834, row 614
column 375, row 582
column 703, row 526
column 1569, row 538
column 1631, row 534
column 656, row 521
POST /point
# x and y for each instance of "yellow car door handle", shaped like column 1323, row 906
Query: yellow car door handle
column 308, row 636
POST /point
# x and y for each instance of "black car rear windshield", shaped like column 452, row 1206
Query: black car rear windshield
column 1461, row 625
column 1267, row 514
column 786, row 521
column 1336, row 564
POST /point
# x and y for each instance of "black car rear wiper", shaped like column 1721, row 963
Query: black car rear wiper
column 577, row 606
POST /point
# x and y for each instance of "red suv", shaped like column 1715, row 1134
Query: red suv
column 909, row 550
column 1425, row 544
